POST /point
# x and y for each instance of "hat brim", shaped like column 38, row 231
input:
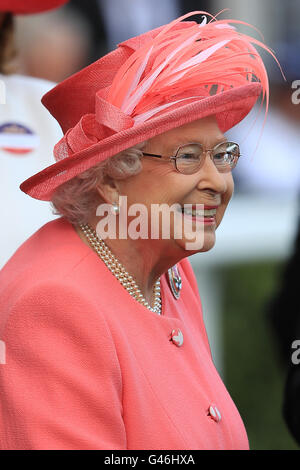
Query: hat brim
column 19, row 7
column 229, row 107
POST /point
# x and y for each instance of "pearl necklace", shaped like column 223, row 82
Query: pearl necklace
column 118, row 270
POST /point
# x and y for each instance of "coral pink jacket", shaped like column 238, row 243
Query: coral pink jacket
column 88, row 367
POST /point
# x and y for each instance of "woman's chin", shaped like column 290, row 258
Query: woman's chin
column 198, row 243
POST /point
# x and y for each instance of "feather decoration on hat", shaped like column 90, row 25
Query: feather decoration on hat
column 184, row 61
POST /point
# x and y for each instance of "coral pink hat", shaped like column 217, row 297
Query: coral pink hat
column 158, row 81
column 22, row 7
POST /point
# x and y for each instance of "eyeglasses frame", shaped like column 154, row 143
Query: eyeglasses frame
column 205, row 151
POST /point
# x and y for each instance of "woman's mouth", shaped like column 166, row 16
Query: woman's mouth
column 206, row 215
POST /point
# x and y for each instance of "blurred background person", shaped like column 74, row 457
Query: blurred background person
column 284, row 306
column 30, row 44
column 284, row 315
column 52, row 45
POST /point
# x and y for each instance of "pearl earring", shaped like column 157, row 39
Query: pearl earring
column 116, row 208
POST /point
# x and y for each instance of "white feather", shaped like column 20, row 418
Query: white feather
column 221, row 26
column 135, row 98
column 203, row 22
column 137, row 77
column 144, row 116
column 201, row 57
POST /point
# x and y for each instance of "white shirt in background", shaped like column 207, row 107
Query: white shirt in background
column 28, row 134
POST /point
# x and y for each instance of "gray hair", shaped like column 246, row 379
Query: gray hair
column 77, row 199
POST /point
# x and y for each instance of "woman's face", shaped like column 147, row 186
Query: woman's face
column 160, row 183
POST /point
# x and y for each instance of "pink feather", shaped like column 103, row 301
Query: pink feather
column 212, row 56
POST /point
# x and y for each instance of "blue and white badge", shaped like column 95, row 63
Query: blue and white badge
column 18, row 139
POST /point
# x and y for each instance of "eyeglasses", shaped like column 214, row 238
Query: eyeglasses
column 189, row 158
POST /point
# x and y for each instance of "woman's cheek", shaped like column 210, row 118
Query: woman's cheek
column 225, row 199
column 219, row 215
column 230, row 186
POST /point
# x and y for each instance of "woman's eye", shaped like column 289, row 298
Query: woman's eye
column 189, row 156
column 220, row 156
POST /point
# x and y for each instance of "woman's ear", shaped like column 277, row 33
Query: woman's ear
column 108, row 190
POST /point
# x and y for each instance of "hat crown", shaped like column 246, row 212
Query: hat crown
column 146, row 74
column 74, row 97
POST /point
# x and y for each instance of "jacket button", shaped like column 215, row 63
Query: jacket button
column 214, row 413
column 177, row 337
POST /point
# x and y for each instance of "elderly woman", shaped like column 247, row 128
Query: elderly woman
column 105, row 345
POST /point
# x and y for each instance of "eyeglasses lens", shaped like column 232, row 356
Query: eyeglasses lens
column 225, row 156
column 190, row 157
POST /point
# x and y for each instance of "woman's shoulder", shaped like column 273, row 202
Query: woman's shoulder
column 48, row 256
column 43, row 285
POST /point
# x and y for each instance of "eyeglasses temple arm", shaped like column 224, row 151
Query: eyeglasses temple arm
column 151, row 155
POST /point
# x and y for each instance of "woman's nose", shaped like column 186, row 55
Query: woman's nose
column 210, row 177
